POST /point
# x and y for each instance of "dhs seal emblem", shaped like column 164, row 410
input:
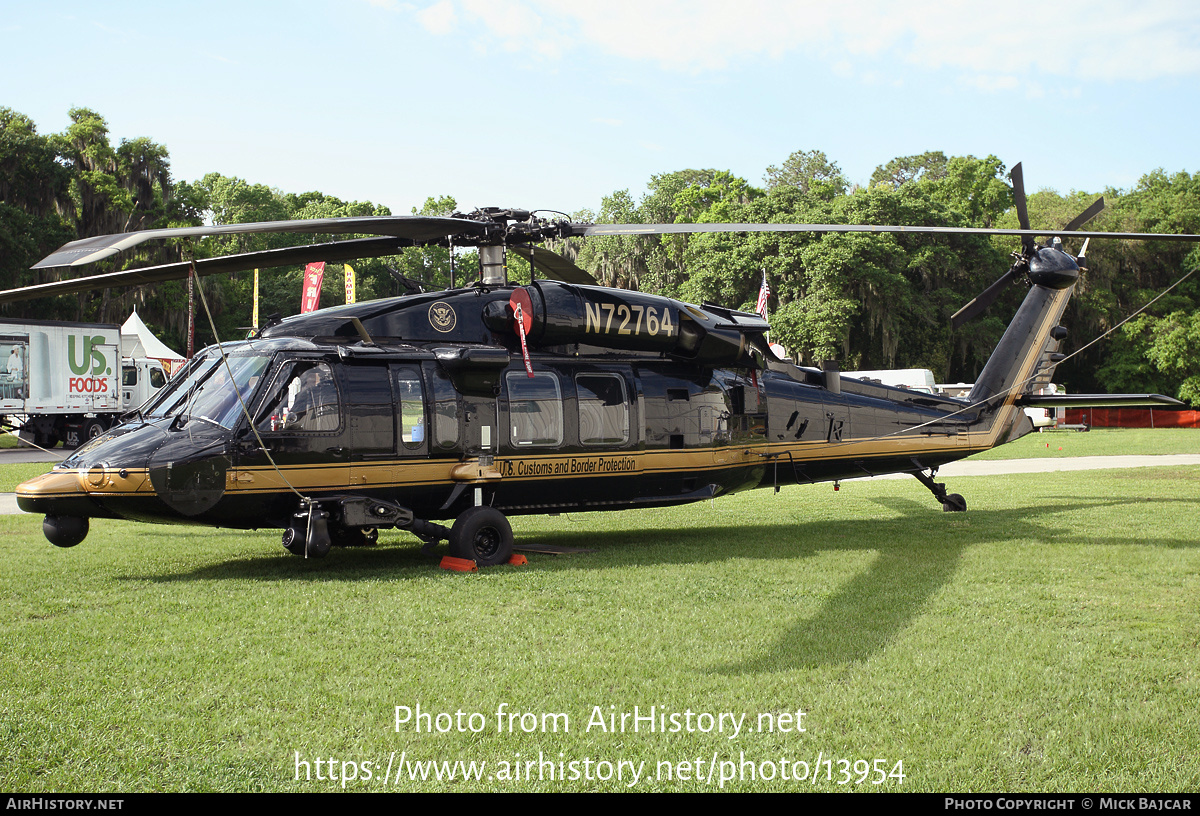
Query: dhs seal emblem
column 441, row 316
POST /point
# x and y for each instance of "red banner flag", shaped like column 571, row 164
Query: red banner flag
column 314, row 273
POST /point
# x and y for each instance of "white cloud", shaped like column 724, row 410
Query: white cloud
column 1079, row 39
column 514, row 27
column 991, row 82
column 215, row 57
column 438, row 18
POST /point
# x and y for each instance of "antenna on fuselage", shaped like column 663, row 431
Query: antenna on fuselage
column 362, row 331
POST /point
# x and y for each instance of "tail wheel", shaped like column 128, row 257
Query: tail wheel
column 483, row 535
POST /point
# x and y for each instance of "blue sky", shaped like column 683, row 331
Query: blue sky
column 540, row 104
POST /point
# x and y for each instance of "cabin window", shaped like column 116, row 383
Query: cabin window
column 157, row 378
column 371, row 418
column 411, row 404
column 129, row 376
column 603, row 409
column 535, row 409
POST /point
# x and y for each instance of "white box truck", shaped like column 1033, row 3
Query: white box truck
column 68, row 381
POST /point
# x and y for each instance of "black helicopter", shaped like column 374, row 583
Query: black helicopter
column 496, row 399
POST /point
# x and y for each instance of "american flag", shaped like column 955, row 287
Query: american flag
column 764, row 292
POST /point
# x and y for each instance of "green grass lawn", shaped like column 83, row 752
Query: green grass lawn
column 1046, row 640
column 12, row 475
column 1098, row 442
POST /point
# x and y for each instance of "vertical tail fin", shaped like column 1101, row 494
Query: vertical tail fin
column 1028, row 351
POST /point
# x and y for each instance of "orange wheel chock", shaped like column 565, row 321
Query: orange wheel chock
column 459, row 564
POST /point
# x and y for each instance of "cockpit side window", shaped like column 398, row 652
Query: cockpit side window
column 303, row 399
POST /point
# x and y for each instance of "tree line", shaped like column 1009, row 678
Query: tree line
column 871, row 301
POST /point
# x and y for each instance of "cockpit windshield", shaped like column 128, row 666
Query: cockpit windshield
column 181, row 386
column 207, row 393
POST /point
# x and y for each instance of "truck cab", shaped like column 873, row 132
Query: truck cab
column 141, row 378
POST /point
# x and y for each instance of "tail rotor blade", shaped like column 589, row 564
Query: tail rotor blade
column 1081, row 258
column 1018, row 182
column 1085, row 216
column 984, row 299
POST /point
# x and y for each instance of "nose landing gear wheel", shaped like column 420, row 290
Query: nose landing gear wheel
column 482, row 535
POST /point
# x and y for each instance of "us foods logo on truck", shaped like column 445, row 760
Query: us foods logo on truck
column 89, row 360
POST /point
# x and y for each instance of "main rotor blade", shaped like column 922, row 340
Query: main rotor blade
column 588, row 230
column 1085, row 216
column 983, row 299
column 335, row 251
column 553, row 265
column 417, row 229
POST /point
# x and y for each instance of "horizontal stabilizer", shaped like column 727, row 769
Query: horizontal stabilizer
column 739, row 321
column 1099, row 401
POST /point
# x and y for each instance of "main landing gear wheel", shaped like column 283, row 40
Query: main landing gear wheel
column 954, row 503
column 482, row 535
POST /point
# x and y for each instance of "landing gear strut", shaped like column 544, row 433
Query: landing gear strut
column 951, row 502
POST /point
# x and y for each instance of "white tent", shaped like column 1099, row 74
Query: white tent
column 138, row 341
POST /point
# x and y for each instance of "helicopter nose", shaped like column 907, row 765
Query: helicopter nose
column 57, row 493
column 79, row 492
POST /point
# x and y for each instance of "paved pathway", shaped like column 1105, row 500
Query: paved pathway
column 8, row 501
column 9, row 456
